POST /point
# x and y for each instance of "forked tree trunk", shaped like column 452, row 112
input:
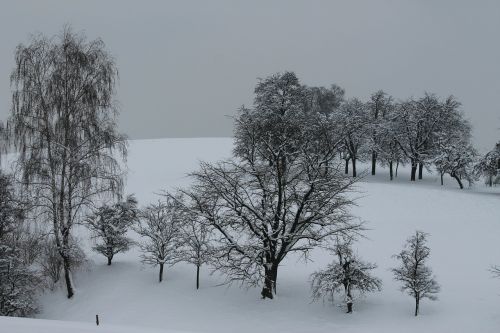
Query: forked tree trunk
column 160, row 277
column 459, row 181
column 390, row 171
column 413, row 170
column 374, row 162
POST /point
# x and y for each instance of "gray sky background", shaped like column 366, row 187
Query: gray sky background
column 184, row 65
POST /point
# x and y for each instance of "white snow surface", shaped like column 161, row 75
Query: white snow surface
column 464, row 229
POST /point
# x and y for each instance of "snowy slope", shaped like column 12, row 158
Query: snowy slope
column 465, row 234
column 25, row 325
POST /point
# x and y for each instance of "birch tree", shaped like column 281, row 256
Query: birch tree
column 63, row 124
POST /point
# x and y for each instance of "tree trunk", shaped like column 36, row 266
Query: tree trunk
column 413, row 170
column 354, row 167
column 66, row 262
column 420, row 169
column 374, row 162
column 417, row 303
column 442, row 181
column 390, row 171
column 349, row 300
column 274, row 274
column 458, row 181
column 347, row 166
column 109, row 254
column 270, row 275
column 67, row 276
column 161, row 273
column 197, row 277
column 490, row 181
column 397, row 167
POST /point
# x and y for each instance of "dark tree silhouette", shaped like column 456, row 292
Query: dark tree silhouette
column 282, row 192
column 63, row 125
column 416, row 278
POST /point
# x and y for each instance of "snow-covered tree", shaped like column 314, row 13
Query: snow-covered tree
column 457, row 159
column 282, row 192
column 160, row 228
column 489, row 166
column 195, row 242
column 19, row 283
column 109, row 225
column 420, row 123
column 348, row 274
column 387, row 149
column 379, row 106
column 63, row 124
column 454, row 153
column 413, row 273
column 324, row 100
column 354, row 119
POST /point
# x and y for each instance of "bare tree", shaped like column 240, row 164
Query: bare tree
column 159, row 226
column 63, row 125
column 416, row 278
column 282, row 192
column 496, row 271
column 348, row 274
column 195, row 241
column 109, row 225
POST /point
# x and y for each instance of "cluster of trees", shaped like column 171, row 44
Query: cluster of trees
column 351, row 274
column 169, row 233
column 63, row 128
column 422, row 132
column 284, row 190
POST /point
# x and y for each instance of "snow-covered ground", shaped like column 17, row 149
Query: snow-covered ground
column 464, row 238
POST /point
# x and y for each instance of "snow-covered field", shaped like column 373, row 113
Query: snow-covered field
column 464, row 238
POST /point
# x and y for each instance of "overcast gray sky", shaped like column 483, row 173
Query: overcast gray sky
column 184, row 65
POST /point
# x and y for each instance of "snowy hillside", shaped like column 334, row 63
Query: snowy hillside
column 464, row 239
column 24, row 325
